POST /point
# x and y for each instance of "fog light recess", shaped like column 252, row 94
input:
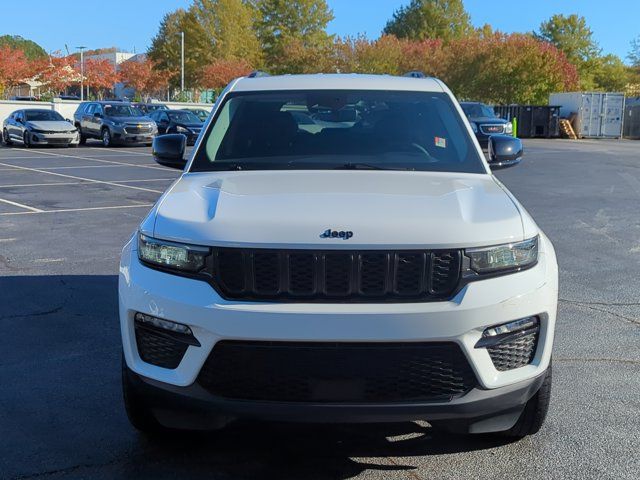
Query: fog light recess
column 162, row 342
column 513, row 344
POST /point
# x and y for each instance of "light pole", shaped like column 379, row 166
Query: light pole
column 81, row 72
column 182, row 60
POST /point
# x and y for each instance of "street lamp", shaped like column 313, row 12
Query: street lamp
column 182, row 60
column 81, row 72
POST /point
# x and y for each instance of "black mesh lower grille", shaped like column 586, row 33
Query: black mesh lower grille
column 515, row 353
column 337, row 372
column 157, row 348
column 309, row 275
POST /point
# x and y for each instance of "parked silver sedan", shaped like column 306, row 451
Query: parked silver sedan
column 33, row 127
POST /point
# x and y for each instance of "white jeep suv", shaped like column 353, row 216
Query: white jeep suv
column 338, row 250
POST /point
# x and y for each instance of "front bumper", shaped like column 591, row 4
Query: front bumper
column 122, row 135
column 461, row 320
column 55, row 138
column 479, row 411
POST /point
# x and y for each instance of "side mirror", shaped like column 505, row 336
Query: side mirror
column 168, row 150
column 504, row 151
column 97, row 115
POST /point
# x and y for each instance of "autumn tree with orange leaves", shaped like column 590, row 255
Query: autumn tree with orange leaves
column 219, row 73
column 15, row 68
column 100, row 75
column 144, row 77
column 56, row 73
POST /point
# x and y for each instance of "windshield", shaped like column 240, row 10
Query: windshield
column 42, row 115
column 477, row 110
column 183, row 117
column 121, row 111
column 328, row 129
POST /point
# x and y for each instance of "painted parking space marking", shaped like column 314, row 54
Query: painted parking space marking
column 85, row 209
column 118, row 150
column 55, row 184
column 92, row 159
column 104, row 182
column 21, row 205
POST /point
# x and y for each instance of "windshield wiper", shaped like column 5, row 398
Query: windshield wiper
column 365, row 166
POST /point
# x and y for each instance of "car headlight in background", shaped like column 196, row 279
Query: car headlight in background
column 474, row 127
column 508, row 128
column 180, row 129
column 498, row 258
column 172, row 255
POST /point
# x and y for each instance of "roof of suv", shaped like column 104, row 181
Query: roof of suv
column 337, row 81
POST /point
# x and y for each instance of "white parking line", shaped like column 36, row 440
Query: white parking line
column 63, row 210
column 18, row 185
column 16, row 204
column 82, row 178
column 118, row 150
column 91, row 159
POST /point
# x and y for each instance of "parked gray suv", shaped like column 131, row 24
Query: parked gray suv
column 114, row 123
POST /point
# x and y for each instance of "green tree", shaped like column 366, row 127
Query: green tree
column 281, row 23
column 610, row 74
column 165, row 47
column 430, row 19
column 31, row 50
column 634, row 53
column 229, row 27
column 571, row 35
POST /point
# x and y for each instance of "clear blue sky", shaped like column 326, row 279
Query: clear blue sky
column 132, row 23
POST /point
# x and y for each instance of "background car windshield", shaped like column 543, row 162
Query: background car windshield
column 184, row 117
column 42, row 115
column 477, row 110
column 121, row 111
column 327, row 129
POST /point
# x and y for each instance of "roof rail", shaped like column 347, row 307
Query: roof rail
column 258, row 74
column 415, row 74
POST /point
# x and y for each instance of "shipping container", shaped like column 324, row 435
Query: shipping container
column 593, row 114
column 532, row 120
column 631, row 127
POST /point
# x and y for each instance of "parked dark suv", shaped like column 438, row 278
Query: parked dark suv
column 114, row 123
column 178, row 121
column 485, row 122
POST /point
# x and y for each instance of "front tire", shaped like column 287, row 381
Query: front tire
column 138, row 410
column 5, row 138
column 106, row 137
column 83, row 138
column 535, row 411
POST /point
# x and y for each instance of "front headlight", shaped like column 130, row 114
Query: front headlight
column 508, row 128
column 180, row 129
column 172, row 255
column 510, row 256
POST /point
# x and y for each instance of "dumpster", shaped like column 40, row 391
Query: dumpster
column 631, row 124
column 597, row 114
column 533, row 120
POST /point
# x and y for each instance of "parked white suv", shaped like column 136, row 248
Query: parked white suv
column 338, row 250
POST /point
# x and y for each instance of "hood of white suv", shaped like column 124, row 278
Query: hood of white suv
column 293, row 208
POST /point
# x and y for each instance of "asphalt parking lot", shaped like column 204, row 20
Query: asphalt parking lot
column 64, row 216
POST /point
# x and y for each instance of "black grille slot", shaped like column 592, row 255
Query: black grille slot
column 158, row 348
column 310, row 275
column 337, row 372
column 266, row 273
column 515, row 353
column 444, row 272
column 302, row 274
column 337, row 274
column 373, row 273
